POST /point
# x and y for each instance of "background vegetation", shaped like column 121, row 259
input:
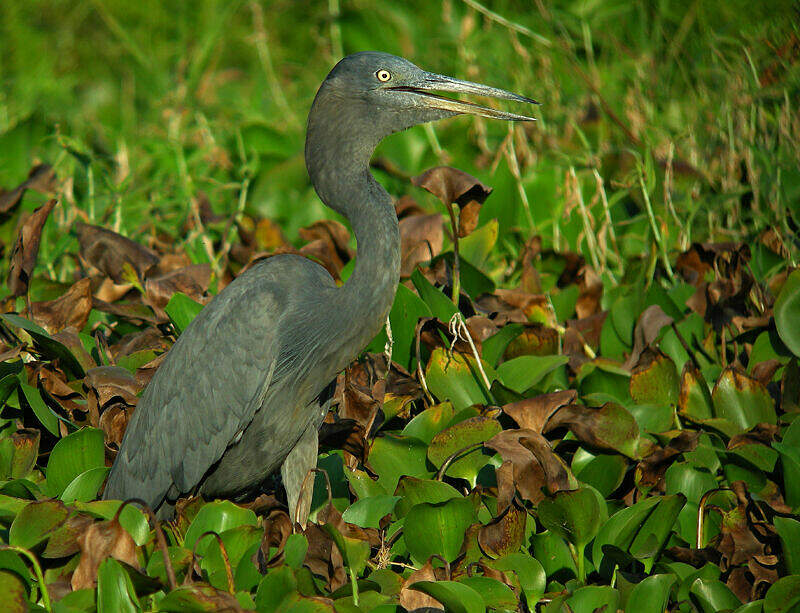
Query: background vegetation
column 637, row 251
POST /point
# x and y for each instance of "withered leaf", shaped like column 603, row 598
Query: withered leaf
column 413, row 600
column 504, row 534
column 102, row 540
column 452, row 185
column 647, row 329
column 533, row 413
column 26, row 249
column 591, row 290
column 41, row 177
column 191, row 280
column 72, row 308
column 421, row 240
column 468, row 218
column 109, row 252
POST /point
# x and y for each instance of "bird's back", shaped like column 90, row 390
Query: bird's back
column 223, row 368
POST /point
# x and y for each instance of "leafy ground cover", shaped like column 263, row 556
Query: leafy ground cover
column 603, row 418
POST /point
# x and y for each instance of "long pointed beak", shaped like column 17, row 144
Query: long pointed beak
column 431, row 82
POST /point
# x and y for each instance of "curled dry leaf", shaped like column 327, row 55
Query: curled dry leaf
column 41, row 178
column 70, row 309
column 26, row 249
column 413, row 600
column 111, row 398
column 109, row 252
column 468, row 218
column 533, row 413
column 452, row 185
column 504, row 534
column 191, row 280
column 102, row 540
column 591, row 290
column 421, row 240
column 582, row 333
column 333, row 233
column 648, row 327
column 650, row 471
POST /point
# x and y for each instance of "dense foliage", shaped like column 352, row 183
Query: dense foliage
column 605, row 416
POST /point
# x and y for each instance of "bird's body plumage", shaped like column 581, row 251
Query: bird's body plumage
column 246, row 386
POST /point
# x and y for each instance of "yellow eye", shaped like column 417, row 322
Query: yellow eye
column 383, row 75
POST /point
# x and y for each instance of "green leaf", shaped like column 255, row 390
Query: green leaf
column 237, row 541
column 787, row 312
column 430, row 422
column 14, row 595
column 50, row 347
column 592, row 598
column 355, row 552
column 575, row 515
column 85, row 486
column 458, row 436
column 73, row 455
column 655, row 383
column 742, row 400
column 294, row 552
column 392, row 457
column 367, row 512
column 456, row 378
column 413, row 491
column 43, row 413
column 115, row 590
column 656, row 529
column 524, row 372
column 604, row 472
column 36, row 522
column 456, row 597
column 494, row 346
column 528, row 571
column 783, row 596
column 407, row 309
column 440, row 305
column 196, row 598
column 439, row 528
column 496, row 595
column 217, row 516
column 619, row 531
column 651, row 594
column 182, row 310
column 131, row 518
column 713, row 596
column 789, row 532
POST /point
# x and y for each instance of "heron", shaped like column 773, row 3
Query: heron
column 245, row 388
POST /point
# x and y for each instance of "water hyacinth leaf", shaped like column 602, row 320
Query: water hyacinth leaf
column 656, row 382
column 456, row 377
column 524, row 372
column 554, row 555
column 14, row 595
column 575, row 515
column 132, row 519
column 440, row 305
column 354, row 551
column 503, row 535
column 85, row 486
column 743, row 401
column 407, row 310
column 198, row 598
column 494, row 346
column 11, row 561
column 392, row 457
column 437, row 529
column 604, row 472
column 294, row 552
column 593, row 598
column 34, row 523
column 43, row 413
column 783, row 596
column 73, row 455
column 460, row 436
column 606, row 378
column 653, row 417
column 689, row 480
column 656, row 529
column 179, row 557
column 620, row 530
column 712, row 596
column 790, row 465
column 182, row 310
column 528, row 571
column 368, row 512
column 430, row 422
column 50, row 347
column 18, row 453
column 694, row 399
column 237, row 541
column 413, row 491
column 454, row 596
column 496, row 595
column 115, row 591
column 609, row 427
column 789, row 532
column 217, row 516
column 787, row 312
column 651, row 595
column 274, row 588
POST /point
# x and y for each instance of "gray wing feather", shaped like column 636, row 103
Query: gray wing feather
column 208, row 388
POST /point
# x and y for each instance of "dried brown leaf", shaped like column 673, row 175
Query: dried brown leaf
column 452, row 185
column 109, row 252
column 102, row 540
column 72, row 308
column 41, row 178
column 421, row 240
column 412, row 600
column 26, row 250
column 533, row 413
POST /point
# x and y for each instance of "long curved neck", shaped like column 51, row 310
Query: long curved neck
column 339, row 144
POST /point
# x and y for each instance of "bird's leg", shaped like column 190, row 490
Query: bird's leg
column 389, row 342
column 301, row 459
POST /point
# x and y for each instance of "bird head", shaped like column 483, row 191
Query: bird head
column 396, row 94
